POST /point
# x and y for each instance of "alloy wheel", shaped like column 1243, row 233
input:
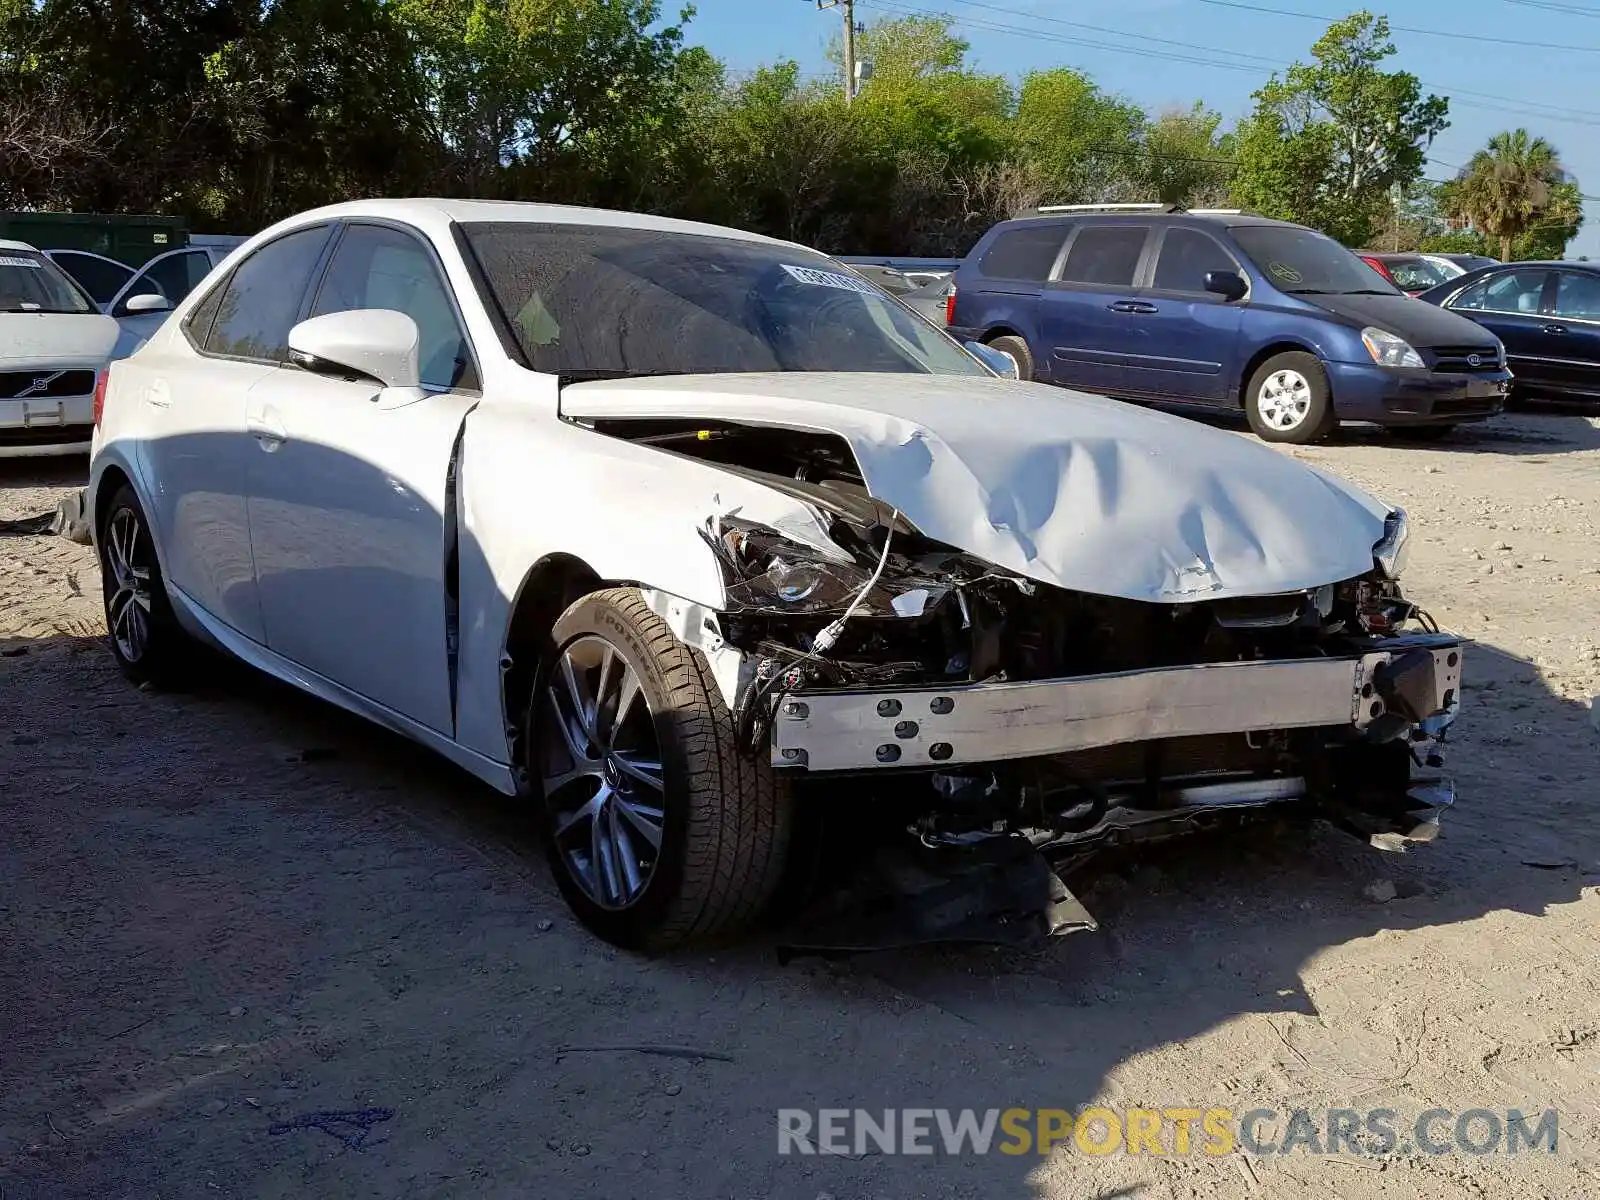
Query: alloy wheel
column 601, row 767
column 1284, row 400
column 128, row 571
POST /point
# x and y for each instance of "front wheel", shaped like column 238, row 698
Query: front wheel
column 659, row 830
column 1287, row 400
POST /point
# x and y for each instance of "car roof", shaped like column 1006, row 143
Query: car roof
column 9, row 245
column 436, row 213
column 1227, row 220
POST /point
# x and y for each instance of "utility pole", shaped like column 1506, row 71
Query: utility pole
column 849, row 9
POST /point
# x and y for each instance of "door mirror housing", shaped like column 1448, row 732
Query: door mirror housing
column 1230, row 285
column 146, row 302
column 375, row 343
column 1000, row 363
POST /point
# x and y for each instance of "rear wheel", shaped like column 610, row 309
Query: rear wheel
column 1287, row 400
column 1017, row 351
column 659, row 830
column 146, row 639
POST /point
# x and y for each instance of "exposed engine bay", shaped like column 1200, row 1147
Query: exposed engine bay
column 1014, row 713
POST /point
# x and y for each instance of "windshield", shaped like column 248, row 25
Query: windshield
column 1420, row 274
column 588, row 301
column 1304, row 263
column 30, row 282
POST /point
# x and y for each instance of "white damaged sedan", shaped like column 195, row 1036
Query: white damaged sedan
column 687, row 535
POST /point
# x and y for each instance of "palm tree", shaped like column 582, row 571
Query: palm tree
column 1506, row 187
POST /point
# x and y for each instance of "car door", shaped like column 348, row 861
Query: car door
column 1089, row 314
column 1187, row 340
column 1510, row 304
column 101, row 277
column 347, row 485
column 197, row 452
column 172, row 276
column 1572, row 335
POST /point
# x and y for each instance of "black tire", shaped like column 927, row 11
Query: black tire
column 1018, row 350
column 725, row 820
column 1316, row 419
column 136, row 597
column 1422, row 433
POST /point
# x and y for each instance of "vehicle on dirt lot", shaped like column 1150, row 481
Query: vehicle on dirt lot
column 684, row 533
column 1547, row 315
column 1221, row 310
column 1411, row 273
column 52, row 342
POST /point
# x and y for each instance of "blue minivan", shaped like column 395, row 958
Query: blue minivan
column 1222, row 310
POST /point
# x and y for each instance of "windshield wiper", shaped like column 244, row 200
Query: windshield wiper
column 586, row 374
column 1369, row 292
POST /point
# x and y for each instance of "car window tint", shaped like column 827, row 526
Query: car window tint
column 100, row 277
column 1186, row 256
column 1026, row 252
column 198, row 322
column 1415, row 274
column 377, row 267
column 1578, row 296
column 1105, row 254
column 263, row 297
column 1507, row 292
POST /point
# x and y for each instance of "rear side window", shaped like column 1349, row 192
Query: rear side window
column 1107, row 255
column 1186, row 256
column 1026, row 252
column 263, row 297
column 1578, row 296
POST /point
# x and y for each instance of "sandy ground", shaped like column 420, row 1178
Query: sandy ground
column 222, row 912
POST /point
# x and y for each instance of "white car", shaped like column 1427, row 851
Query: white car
column 681, row 533
column 140, row 300
column 52, row 342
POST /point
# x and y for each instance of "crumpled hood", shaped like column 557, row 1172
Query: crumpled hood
column 1068, row 489
column 55, row 339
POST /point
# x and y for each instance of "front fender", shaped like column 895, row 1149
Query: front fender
column 532, row 488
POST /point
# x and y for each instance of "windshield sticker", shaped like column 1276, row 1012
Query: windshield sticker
column 21, row 262
column 1285, row 272
column 830, row 279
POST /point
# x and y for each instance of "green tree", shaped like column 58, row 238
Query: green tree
column 1184, row 160
column 1513, row 186
column 1328, row 140
column 1085, row 145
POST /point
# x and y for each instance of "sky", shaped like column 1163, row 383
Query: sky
column 1165, row 53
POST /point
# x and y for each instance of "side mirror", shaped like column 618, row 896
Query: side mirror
column 377, row 343
column 998, row 361
column 1230, row 285
column 146, row 302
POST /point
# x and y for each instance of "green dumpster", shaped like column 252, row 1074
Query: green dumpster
column 130, row 238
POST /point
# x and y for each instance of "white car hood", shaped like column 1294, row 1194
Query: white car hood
column 1068, row 489
column 55, row 339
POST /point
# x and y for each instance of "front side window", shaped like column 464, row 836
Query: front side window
column 1026, row 252
column 101, row 277
column 30, row 282
column 589, row 301
column 263, row 297
column 1106, row 255
column 1508, row 292
column 377, row 267
column 1302, row 262
column 1187, row 255
column 1578, row 296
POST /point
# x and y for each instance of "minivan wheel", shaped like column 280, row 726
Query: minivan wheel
column 660, row 831
column 1017, row 351
column 1287, row 400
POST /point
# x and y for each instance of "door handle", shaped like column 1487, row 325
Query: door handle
column 1556, row 330
column 1132, row 306
column 267, row 431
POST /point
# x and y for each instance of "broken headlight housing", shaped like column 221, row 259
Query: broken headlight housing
column 1392, row 551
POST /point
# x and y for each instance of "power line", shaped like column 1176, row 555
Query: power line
column 1442, row 33
column 1571, row 10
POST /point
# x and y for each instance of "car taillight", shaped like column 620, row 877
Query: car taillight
column 100, row 395
column 950, row 306
column 1377, row 265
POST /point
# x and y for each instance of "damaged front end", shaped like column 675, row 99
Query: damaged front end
column 1014, row 728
